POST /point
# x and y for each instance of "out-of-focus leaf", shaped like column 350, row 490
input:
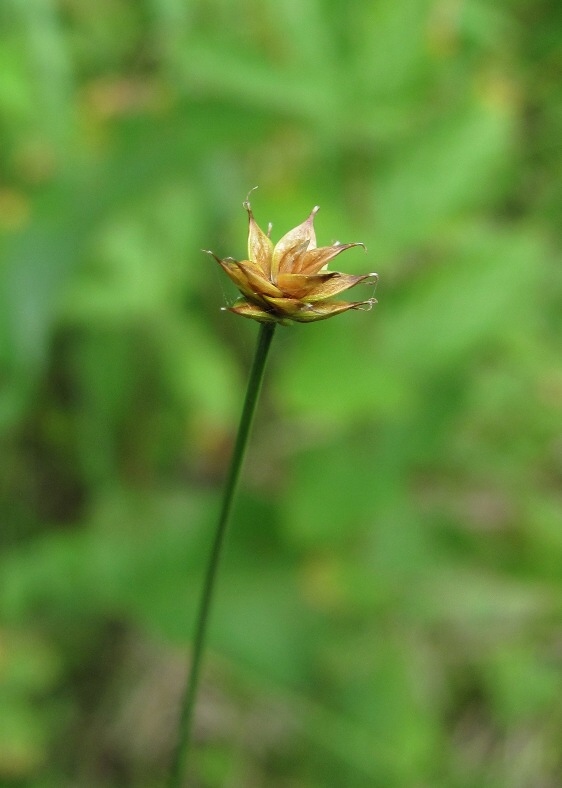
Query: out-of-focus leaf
column 483, row 294
column 445, row 170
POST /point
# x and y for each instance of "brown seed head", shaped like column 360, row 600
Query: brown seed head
column 289, row 281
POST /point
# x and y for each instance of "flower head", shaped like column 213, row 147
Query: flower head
column 289, row 281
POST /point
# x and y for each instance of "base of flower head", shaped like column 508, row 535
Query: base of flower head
column 301, row 313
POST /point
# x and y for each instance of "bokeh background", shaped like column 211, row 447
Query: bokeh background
column 389, row 611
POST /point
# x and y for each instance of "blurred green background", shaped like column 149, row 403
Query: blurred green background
column 389, row 612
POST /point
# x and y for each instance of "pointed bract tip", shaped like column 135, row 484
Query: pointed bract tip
column 246, row 204
column 349, row 245
column 212, row 254
column 366, row 306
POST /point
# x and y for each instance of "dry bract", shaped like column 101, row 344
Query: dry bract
column 289, row 281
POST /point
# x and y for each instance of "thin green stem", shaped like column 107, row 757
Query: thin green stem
column 179, row 764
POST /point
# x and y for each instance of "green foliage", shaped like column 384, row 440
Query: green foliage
column 389, row 612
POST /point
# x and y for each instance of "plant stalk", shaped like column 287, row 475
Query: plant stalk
column 180, row 759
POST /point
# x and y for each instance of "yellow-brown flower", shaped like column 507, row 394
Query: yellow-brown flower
column 288, row 281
